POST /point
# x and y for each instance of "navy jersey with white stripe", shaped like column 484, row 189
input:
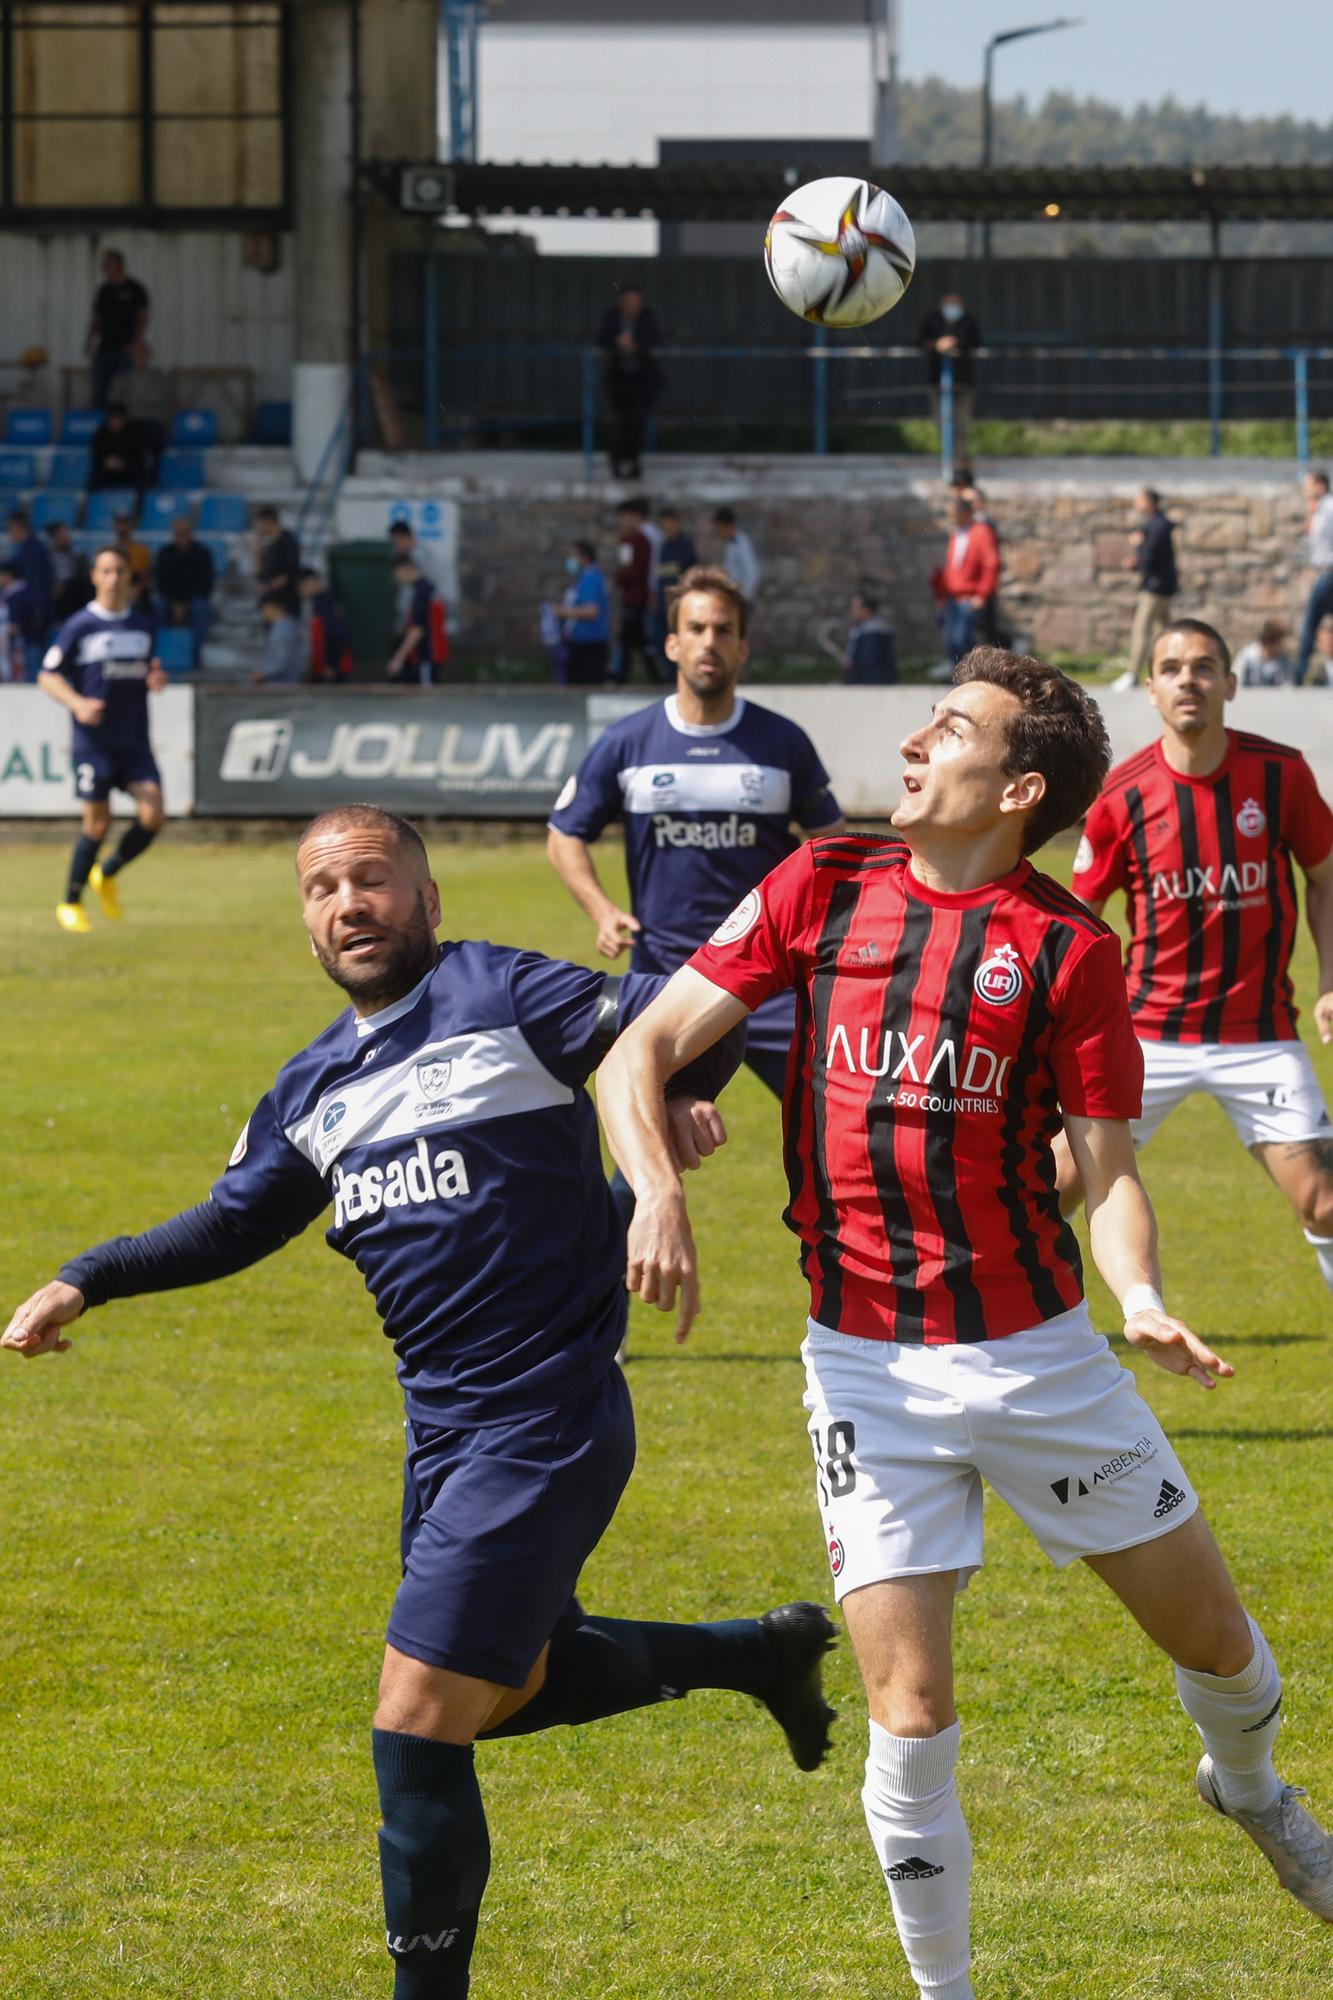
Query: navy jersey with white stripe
column 106, row 656
column 454, row 1138
column 707, row 810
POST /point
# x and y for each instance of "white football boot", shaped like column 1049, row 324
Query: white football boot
column 1290, row 1837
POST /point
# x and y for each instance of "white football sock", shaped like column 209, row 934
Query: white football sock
column 1238, row 1718
column 1323, row 1250
column 920, row 1836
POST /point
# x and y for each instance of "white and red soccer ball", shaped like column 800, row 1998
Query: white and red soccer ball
column 840, row 252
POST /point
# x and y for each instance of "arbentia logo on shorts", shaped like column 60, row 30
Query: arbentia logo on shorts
column 1111, row 1470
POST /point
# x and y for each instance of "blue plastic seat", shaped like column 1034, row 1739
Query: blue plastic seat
column 181, row 470
column 220, row 553
column 28, row 427
column 160, row 508
column 17, row 470
column 79, row 426
column 223, row 514
column 70, row 468
column 48, row 508
column 103, row 507
column 175, row 648
column 198, row 428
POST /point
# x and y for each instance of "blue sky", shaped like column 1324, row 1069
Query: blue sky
column 1232, row 55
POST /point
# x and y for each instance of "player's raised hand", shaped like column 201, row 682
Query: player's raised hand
column 35, row 1327
column 615, row 930
column 1172, row 1346
column 695, row 1131
column 661, row 1265
column 1323, row 1016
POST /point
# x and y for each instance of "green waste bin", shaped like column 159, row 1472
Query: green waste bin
column 361, row 578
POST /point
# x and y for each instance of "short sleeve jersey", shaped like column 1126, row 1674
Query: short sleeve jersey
column 106, row 655
column 939, row 1038
column 452, row 1135
column 707, row 812
column 1207, row 867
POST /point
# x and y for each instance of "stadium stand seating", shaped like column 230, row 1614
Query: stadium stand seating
column 220, row 553
column 181, row 470
column 103, row 507
column 223, row 514
column 175, row 649
column 28, row 427
column 69, row 468
column 46, row 509
column 161, row 507
column 77, row 426
column 17, row 470
column 273, row 424
column 196, row 428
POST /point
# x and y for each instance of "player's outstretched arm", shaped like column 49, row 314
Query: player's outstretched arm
column 1123, row 1232
column 572, row 861
column 1319, row 911
column 687, row 1017
column 36, row 1326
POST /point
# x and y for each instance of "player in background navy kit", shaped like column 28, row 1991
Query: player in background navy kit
column 1204, row 831
column 444, row 1117
column 954, row 1006
column 708, row 786
column 101, row 666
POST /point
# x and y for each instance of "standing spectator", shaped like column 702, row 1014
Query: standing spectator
column 329, row 634
column 137, row 554
column 31, row 613
column 634, row 570
column 869, row 658
column 71, row 585
column 419, row 626
column 1155, row 560
column 737, row 556
column 968, row 579
column 1266, row 662
column 1321, row 673
column 277, row 560
column 628, row 337
column 951, row 330
column 403, row 537
column 1319, row 527
column 14, row 661
column 116, row 456
column 585, row 610
column 988, row 618
column 146, row 393
column 675, row 554
column 184, row 580
column 116, row 327
column 283, row 661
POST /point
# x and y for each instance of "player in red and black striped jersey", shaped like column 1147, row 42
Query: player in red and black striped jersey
column 1204, row 831
column 955, row 1008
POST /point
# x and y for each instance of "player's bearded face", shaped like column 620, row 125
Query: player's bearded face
column 370, row 917
column 706, row 647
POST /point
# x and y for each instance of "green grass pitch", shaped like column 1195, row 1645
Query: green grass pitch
column 200, row 1551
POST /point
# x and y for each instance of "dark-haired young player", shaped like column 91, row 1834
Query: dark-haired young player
column 101, row 666
column 443, row 1115
column 1204, row 832
column 953, row 1005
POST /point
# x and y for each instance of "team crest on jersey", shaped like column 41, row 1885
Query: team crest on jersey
column 1251, row 819
column 836, row 1554
column 1085, row 857
column 998, row 979
column 742, row 919
column 752, row 786
column 333, row 1117
column 433, row 1078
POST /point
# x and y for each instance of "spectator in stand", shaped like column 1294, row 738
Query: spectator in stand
column 1321, row 671
column 585, row 611
column 14, row 664
column 869, row 658
column 277, row 561
column 1319, row 527
column 116, row 456
column 736, row 555
column 629, row 336
column 283, row 662
column 328, row 633
column 137, row 554
column 146, row 393
column 968, row 579
column 116, row 327
column 951, row 331
column 1266, row 661
column 1154, row 558
column 634, row 569
column 30, row 560
column 419, row 626
column 184, row 579
column 675, row 554
column 71, row 584
column 404, row 540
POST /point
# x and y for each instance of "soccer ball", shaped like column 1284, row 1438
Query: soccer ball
column 840, row 252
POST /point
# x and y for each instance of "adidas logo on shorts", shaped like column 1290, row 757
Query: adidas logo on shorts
column 914, row 1869
column 1168, row 1500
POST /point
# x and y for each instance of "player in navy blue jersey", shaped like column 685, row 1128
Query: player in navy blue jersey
column 443, row 1116
column 101, row 666
column 709, row 787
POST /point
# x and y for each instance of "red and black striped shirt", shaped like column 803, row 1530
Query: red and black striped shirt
column 1206, row 865
column 938, row 1039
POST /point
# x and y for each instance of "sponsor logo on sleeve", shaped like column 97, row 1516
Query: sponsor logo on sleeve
column 567, row 791
column 1085, row 857
column 1251, row 820
column 239, row 1150
column 741, row 921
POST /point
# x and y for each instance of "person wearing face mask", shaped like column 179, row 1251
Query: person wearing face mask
column 585, row 612
column 951, row 330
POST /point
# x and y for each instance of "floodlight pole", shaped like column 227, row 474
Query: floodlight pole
column 987, row 122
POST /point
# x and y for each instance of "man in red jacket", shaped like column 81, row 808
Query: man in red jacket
column 968, row 579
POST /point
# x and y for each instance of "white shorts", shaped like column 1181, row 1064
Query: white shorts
column 1268, row 1090
column 903, row 1435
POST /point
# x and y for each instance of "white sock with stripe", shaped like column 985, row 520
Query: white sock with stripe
column 920, row 1837
column 1323, row 1250
column 1238, row 1717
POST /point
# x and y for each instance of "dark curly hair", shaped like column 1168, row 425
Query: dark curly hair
column 1058, row 730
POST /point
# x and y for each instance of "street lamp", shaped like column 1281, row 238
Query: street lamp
column 995, row 42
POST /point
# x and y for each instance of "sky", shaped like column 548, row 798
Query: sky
column 1232, row 55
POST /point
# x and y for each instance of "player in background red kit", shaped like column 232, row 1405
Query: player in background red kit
column 954, row 1007
column 1204, row 831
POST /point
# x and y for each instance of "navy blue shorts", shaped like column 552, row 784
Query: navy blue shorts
column 498, row 1523
column 768, row 1034
column 98, row 772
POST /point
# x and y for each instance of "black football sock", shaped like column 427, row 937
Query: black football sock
column 81, row 866
column 132, row 844
column 608, row 1665
column 435, row 1855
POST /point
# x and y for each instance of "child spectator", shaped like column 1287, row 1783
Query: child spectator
column 1267, row 661
column 330, row 649
column 422, row 651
